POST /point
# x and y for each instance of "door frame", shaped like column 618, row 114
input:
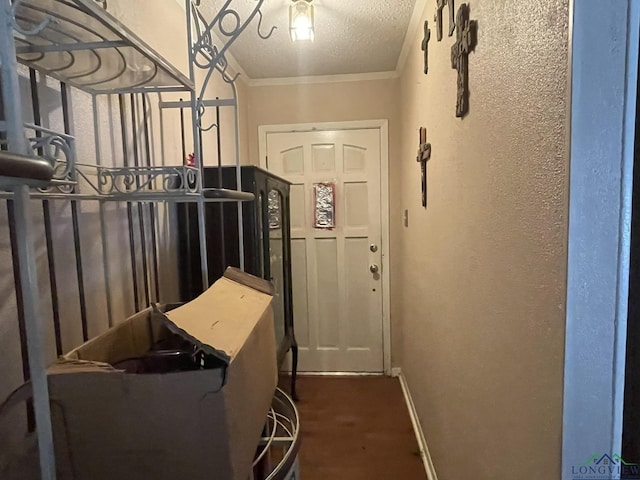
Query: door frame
column 383, row 126
column 602, row 139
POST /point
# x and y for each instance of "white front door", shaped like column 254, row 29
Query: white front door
column 337, row 281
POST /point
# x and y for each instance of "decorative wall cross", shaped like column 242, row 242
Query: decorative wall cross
column 424, row 154
column 440, row 4
column 425, row 46
column 465, row 42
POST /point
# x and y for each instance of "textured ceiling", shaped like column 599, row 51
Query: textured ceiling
column 352, row 36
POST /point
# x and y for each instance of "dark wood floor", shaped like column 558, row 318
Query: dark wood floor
column 355, row 428
column 352, row 428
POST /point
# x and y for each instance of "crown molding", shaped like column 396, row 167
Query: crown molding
column 351, row 77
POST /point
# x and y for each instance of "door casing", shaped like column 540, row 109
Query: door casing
column 383, row 127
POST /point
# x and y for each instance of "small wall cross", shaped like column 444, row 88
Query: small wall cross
column 425, row 46
column 440, row 4
column 424, row 155
column 465, row 42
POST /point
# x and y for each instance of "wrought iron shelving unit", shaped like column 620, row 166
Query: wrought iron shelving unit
column 277, row 457
column 83, row 46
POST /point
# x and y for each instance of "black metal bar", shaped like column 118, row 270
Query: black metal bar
column 3, row 135
column 46, row 212
column 17, row 280
column 143, row 236
column 152, row 207
column 201, row 154
column 187, row 230
column 35, row 104
column 132, row 240
column 76, row 224
column 218, row 147
column 184, row 142
column 80, row 274
column 55, row 304
column 223, row 249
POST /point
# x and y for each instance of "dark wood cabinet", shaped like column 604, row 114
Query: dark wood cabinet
column 266, row 236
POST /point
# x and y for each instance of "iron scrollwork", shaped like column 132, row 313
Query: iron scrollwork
column 132, row 180
column 56, row 148
column 207, row 56
column 59, row 150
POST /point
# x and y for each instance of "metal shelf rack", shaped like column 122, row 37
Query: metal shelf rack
column 78, row 42
column 277, row 457
column 83, row 46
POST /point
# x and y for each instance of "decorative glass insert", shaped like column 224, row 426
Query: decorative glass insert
column 324, row 197
column 274, row 210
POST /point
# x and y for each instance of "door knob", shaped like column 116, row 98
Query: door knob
column 373, row 268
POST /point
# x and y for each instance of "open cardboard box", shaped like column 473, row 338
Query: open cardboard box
column 191, row 425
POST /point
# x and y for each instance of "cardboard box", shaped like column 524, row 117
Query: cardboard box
column 191, row 425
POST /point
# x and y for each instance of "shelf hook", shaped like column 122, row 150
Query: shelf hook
column 264, row 37
column 222, row 68
column 227, row 78
column 200, row 115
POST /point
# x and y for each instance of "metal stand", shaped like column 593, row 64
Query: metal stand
column 17, row 143
column 88, row 20
column 34, row 325
column 282, row 433
column 206, row 56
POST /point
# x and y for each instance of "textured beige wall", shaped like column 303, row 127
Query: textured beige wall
column 243, row 113
column 161, row 24
column 483, row 269
column 337, row 102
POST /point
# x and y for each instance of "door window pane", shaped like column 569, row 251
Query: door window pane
column 276, row 255
column 324, row 205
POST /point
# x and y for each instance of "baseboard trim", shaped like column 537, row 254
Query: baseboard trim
column 337, row 374
column 417, row 428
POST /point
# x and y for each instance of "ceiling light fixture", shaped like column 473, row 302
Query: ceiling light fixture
column 301, row 20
